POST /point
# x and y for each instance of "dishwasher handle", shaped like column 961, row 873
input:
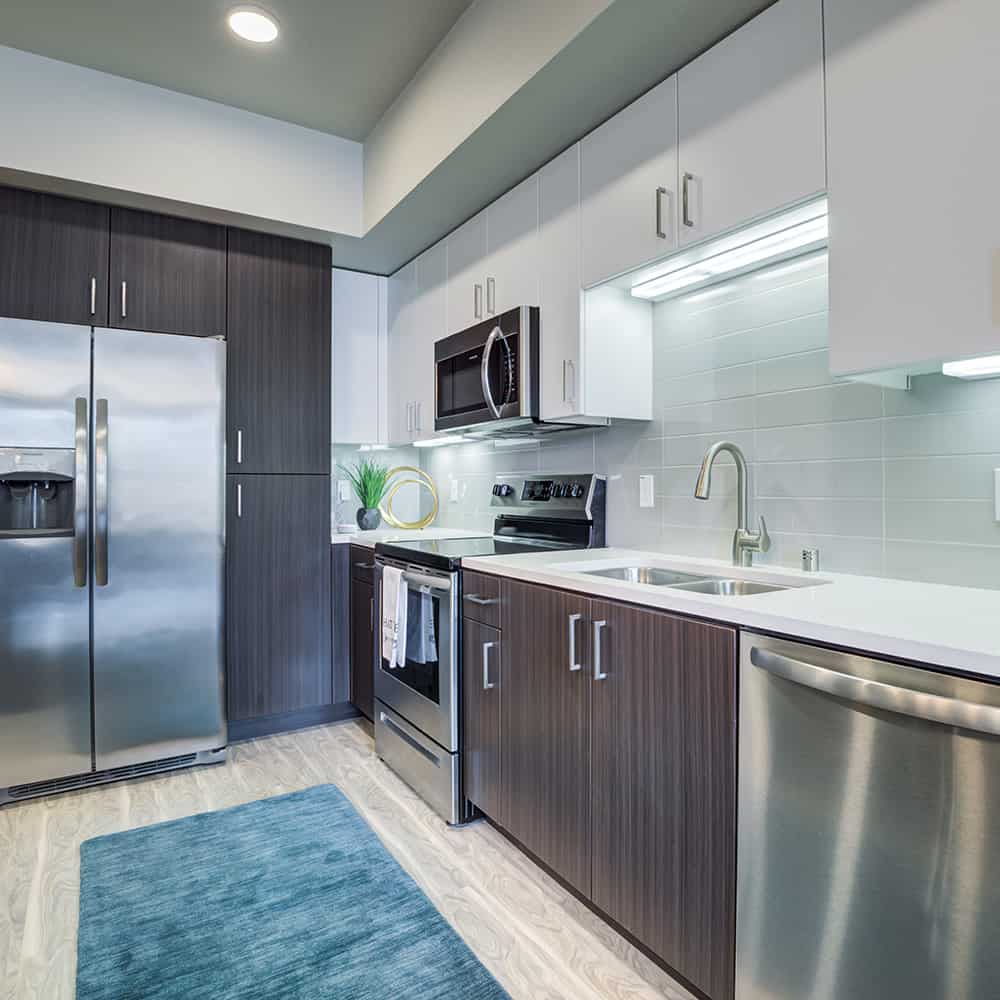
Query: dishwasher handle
column 876, row 694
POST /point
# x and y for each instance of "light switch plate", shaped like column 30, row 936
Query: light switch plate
column 344, row 489
column 454, row 491
column 647, row 491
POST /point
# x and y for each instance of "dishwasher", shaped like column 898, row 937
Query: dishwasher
column 869, row 829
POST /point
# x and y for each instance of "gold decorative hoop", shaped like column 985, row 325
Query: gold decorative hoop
column 385, row 507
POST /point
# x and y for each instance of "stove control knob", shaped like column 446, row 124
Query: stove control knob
column 558, row 491
column 504, row 489
column 576, row 491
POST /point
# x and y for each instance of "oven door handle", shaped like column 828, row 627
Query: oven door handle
column 433, row 582
column 484, row 371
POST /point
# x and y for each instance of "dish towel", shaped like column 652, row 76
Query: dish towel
column 421, row 638
column 395, row 595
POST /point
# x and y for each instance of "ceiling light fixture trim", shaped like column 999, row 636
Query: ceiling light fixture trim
column 253, row 24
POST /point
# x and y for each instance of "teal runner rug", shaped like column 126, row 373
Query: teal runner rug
column 289, row 897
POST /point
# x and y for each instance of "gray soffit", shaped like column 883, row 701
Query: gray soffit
column 627, row 49
column 336, row 67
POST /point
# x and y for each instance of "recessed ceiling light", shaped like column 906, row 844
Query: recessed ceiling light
column 254, row 24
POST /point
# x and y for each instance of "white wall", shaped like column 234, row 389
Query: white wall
column 492, row 51
column 93, row 128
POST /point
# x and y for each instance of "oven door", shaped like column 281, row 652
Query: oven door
column 424, row 691
column 484, row 375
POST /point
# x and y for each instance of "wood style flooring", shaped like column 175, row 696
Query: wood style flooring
column 539, row 942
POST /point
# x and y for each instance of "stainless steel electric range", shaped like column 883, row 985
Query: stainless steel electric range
column 418, row 705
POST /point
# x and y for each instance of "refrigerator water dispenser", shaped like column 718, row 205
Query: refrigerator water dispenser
column 36, row 492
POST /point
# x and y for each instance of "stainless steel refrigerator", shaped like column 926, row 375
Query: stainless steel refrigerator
column 111, row 554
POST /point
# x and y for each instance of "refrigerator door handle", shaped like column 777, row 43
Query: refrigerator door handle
column 101, row 493
column 81, row 491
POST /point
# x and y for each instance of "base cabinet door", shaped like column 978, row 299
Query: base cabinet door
column 545, row 726
column 664, row 789
column 363, row 647
column 278, row 650
column 482, row 687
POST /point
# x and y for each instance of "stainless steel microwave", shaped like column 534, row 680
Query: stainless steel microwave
column 486, row 377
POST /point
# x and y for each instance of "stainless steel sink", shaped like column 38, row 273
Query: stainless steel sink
column 729, row 588
column 652, row 575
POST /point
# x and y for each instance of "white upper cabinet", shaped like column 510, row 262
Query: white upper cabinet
column 359, row 358
column 589, row 371
column 511, row 268
column 914, row 161
column 429, row 326
column 629, row 186
column 401, row 296
column 751, row 122
column 466, row 278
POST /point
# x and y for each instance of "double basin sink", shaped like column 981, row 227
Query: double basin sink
column 694, row 583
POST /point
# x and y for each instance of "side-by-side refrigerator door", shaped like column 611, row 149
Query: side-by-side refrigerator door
column 158, row 546
column 44, row 594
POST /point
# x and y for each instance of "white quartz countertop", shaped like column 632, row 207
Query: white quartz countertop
column 371, row 538
column 952, row 627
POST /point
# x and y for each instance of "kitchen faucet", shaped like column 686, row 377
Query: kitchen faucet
column 745, row 542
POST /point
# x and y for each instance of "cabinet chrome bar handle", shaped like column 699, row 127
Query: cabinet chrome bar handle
column 685, row 201
column 877, row 694
column 571, row 369
column 476, row 599
column 239, row 446
column 416, row 416
column 101, row 488
column 93, row 296
column 491, row 295
column 573, row 665
column 660, row 232
column 239, row 499
column 564, row 380
column 81, row 490
column 477, row 301
column 599, row 627
column 370, row 565
column 409, row 416
column 124, row 299
column 488, row 685
column 371, row 613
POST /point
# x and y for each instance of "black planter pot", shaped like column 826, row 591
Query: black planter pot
column 369, row 518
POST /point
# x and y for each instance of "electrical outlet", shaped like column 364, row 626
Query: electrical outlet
column 454, row 491
column 647, row 491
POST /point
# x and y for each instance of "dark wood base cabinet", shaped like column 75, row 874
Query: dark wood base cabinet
column 363, row 633
column 602, row 737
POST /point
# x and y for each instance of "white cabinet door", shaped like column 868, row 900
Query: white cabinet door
column 466, row 278
column 912, row 110
column 401, row 295
column 750, row 121
column 512, row 246
column 359, row 376
column 429, row 326
column 629, row 186
column 559, row 285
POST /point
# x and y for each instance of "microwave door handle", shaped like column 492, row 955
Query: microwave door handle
column 484, row 368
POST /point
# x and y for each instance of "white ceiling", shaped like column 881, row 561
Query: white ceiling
column 336, row 66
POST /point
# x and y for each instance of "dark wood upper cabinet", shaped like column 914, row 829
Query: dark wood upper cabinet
column 545, row 726
column 278, row 603
column 168, row 275
column 280, row 302
column 664, row 788
column 363, row 647
column 53, row 258
column 482, row 689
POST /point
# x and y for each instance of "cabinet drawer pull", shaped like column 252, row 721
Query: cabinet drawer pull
column 573, row 665
column 239, row 499
column 370, row 565
column 660, row 232
column 685, row 201
column 239, row 446
column 599, row 627
column 93, row 296
column 488, row 685
column 124, row 299
column 476, row 599
column 371, row 613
